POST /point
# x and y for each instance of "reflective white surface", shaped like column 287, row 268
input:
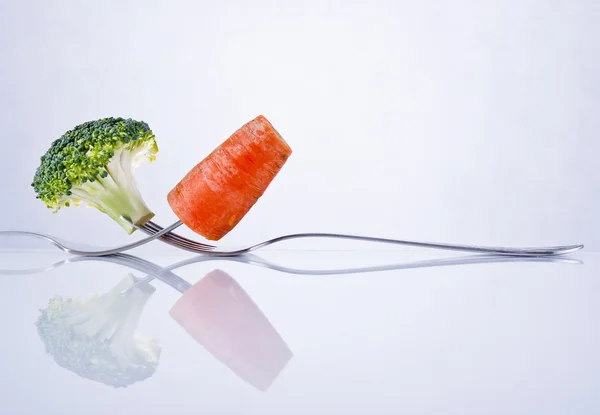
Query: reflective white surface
column 470, row 122
column 515, row 337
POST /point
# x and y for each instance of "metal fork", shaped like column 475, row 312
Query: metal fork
column 181, row 242
column 155, row 231
column 84, row 250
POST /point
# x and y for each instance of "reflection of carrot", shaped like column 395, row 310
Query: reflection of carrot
column 218, row 192
column 219, row 314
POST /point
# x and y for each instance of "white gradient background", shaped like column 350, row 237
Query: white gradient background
column 456, row 121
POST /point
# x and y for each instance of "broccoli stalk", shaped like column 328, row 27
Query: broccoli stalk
column 93, row 164
column 116, row 193
column 96, row 339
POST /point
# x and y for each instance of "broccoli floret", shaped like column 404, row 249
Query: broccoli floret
column 96, row 338
column 93, row 164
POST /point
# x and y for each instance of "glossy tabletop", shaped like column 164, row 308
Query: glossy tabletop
column 360, row 331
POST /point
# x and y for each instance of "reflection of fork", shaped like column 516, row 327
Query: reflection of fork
column 125, row 260
column 444, row 262
column 165, row 275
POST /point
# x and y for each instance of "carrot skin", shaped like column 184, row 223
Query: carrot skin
column 220, row 190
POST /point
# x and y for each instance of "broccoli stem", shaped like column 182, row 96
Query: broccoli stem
column 115, row 202
column 116, row 194
column 121, row 202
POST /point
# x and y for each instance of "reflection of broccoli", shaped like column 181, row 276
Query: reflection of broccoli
column 96, row 338
column 93, row 164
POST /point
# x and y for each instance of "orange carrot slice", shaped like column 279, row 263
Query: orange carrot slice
column 218, row 192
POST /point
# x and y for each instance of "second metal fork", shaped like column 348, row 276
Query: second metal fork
column 181, row 242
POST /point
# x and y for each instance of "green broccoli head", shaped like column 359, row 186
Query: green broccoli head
column 93, row 164
column 96, row 338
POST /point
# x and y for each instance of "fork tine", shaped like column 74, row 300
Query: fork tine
column 187, row 245
column 195, row 248
column 179, row 241
column 149, row 229
column 153, row 227
column 178, row 238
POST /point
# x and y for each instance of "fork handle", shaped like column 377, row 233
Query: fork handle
column 534, row 251
column 187, row 244
column 118, row 249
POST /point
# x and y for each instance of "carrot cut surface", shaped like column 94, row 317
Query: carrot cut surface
column 220, row 190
